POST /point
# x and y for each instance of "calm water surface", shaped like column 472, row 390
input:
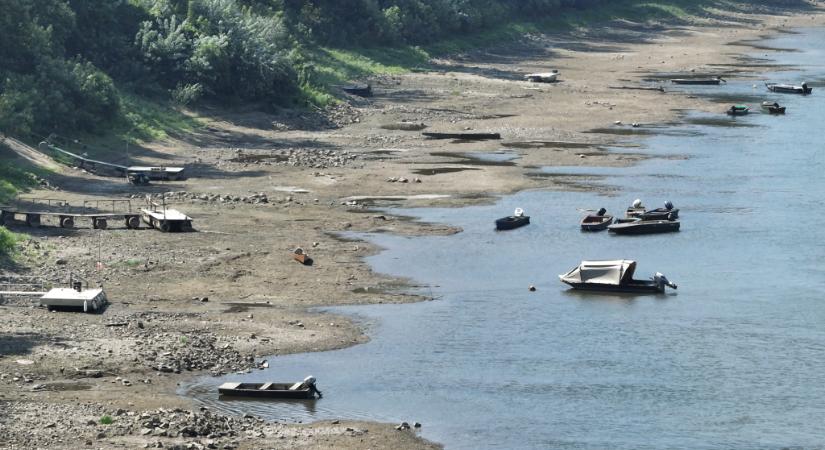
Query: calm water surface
column 734, row 359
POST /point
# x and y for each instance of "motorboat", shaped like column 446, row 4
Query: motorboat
column 597, row 222
column 518, row 219
column 773, row 107
column 640, row 226
column 738, row 110
column 789, row 88
column 702, row 81
column 666, row 213
column 543, row 77
column 613, row 276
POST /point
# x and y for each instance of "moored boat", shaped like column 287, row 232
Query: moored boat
column 543, row 77
column 596, row 222
column 462, row 136
column 518, row 219
column 789, row 88
column 613, row 276
column 301, row 390
column 703, row 81
column 773, row 107
column 666, row 213
column 738, row 110
column 644, row 227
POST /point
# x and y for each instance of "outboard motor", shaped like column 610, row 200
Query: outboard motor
column 668, row 205
column 805, row 85
column 637, row 203
column 601, row 212
column 310, row 383
column 662, row 281
column 518, row 212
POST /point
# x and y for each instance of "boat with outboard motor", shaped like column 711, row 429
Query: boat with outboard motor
column 773, row 107
column 700, row 81
column 613, row 276
column 518, row 219
column 640, row 226
column 803, row 89
column 666, row 213
column 738, row 110
column 597, row 222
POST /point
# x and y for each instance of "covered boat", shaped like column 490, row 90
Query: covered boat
column 704, row 81
column 789, row 88
column 738, row 110
column 518, row 219
column 773, row 107
column 597, row 222
column 301, row 390
column 543, row 77
column 640, row 226
column 613, row 276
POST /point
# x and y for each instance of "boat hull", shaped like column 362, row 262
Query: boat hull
column 645, row 227
column 596, row 223
column 790, row 89
column 462, row 136
column 279, row 390
column 696, row 81
column 660, row 214
column 637, row 287
column 512, row 222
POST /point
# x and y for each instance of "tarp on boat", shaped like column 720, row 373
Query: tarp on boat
column 602, row 272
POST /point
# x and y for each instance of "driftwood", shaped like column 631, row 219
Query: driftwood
column 639, row 88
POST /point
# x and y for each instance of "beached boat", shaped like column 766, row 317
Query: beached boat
column 543, row 77
column 703, row 81
column 596, row 222
column 462, row 136
column 361, row 90
column 737, row 110
column 773, row 107
column 301, row 256
column 613, row 276
column 301, row 390
column 518, row 219
column 789, row 88
column 644, row 227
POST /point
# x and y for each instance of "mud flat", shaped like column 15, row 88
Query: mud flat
column 228, row 295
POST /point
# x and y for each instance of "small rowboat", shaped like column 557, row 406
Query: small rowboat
column 462, row 136
column 644, row 227
column 703, row 81
column 773, row 108
column 613, row 276
column 301, row 390
column 789, row 88
column 543, row 77
column 737, row 110
column 597, row 222
column 518, row 219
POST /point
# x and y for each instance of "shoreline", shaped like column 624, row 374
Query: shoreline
column 508, row 178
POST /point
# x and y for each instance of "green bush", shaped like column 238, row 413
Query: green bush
column 106, row 419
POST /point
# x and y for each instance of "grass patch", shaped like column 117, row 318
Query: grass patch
column 14, row 177
column 106, row 419
column 145, row 120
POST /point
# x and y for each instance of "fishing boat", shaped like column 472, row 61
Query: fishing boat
column 596, row 222
column 773, row 108
column 518, row 219
column 634, row 209
column 361, row 90
column 789, row 88
column 738, row 110
column 462, row 136
column 640, row 226
column 703, row 81
column 613, row 276
column 543, row 77
column 301, row 390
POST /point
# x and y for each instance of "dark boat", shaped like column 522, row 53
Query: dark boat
column 773, row 108
column 789, row 88
column 301, row 256
column 704, row 81
column 613, row 276
column 462, row 136
column 644, row 227
column 518, row 219
column 737, row 110
column 597, row 222
column 359, row 90
column 301, row 390
column 666, row 213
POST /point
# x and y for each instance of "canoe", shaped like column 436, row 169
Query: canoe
column 511, row 222
column 703, row 81
column 596, row 222
column 300, row 390
column 613, row 276
column 789, row 88
column 359, row 90
column 737, row 110
column 644, row 227
column 773, row 108
column 462, row 136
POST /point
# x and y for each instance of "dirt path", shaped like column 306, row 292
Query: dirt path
column 223, row 298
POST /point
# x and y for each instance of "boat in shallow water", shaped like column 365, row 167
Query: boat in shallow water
column 773, row 107
column 789, row 88
column 738, row 110
column 301, row 390
column 597, row 222
column 518, row 219
column 640, row 226
column 701, row 81
column 613, row 276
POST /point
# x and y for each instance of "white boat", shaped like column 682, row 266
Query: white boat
column 613, row 276
column 543, row 77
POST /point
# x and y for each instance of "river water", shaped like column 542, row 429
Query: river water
column 734, row 359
